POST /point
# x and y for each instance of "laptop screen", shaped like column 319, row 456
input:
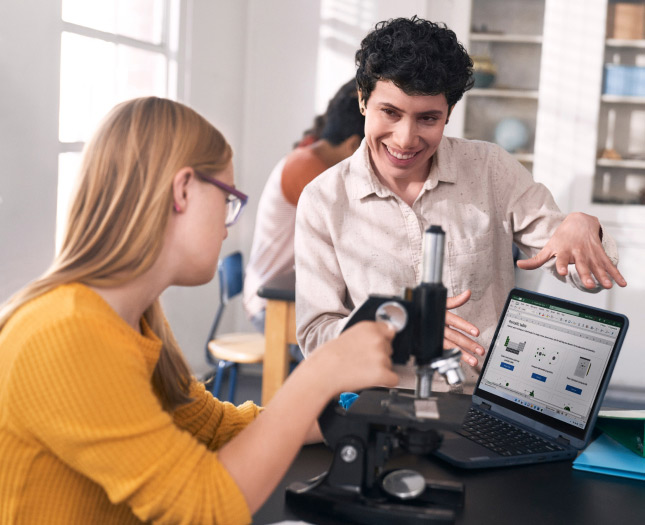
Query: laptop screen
column 549, row 357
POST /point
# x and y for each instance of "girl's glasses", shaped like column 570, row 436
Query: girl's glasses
column 235, row 200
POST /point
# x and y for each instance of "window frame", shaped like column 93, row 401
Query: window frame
column 172, row 47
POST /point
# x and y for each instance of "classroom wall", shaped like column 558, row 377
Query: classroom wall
column 29, row 73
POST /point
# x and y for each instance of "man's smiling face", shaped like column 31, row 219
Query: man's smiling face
column 403, row 131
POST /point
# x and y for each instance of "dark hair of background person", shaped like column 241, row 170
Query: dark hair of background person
column 343, row 118
column 311, row 135
column 418, row 56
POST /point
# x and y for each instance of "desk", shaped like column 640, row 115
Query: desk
column 532, row 494
column 279, row 331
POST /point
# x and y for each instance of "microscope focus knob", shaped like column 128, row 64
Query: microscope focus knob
column 448, row 365
column 393, row 314
column 348, row 453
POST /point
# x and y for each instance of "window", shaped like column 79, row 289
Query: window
column 111, row 50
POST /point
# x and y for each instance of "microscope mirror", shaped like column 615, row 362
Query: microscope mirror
column 404, row 483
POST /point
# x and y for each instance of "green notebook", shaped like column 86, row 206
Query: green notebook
column 625, row 426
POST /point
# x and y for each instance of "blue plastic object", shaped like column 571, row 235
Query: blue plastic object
column 347, row 399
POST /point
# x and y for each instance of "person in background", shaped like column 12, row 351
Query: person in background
column 101, row 420
column 311, row 135
column 272, row 251
column 360, row 225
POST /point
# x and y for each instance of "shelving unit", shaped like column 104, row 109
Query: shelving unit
column 510, row 35
column 620, row 168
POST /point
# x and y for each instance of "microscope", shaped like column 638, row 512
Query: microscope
column 381, row 423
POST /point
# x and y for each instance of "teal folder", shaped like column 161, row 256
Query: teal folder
column 607, row 456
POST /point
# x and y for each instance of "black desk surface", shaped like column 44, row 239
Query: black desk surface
column 545, row 494
column 281, row 287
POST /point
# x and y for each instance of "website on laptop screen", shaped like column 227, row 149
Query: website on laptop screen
column 550, row 359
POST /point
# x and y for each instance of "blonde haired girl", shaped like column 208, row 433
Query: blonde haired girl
column 100, row 418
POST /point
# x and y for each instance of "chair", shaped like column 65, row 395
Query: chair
column 227, row 351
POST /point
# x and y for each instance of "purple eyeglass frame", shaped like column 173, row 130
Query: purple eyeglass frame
column 228, row 189
column 222, row 186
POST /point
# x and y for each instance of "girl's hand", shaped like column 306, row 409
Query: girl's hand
column 358, row 358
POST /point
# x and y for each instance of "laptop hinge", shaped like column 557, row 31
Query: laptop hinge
column 564, row 441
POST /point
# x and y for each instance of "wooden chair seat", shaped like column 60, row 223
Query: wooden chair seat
column 238, row 347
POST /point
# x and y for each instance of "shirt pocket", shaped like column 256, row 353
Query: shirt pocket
column 470, row 265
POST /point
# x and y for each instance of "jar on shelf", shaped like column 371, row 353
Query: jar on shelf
column 484, row 71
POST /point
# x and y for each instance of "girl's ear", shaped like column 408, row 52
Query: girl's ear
column 180, row 188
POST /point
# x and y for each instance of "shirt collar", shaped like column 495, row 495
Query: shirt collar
column 362, row 180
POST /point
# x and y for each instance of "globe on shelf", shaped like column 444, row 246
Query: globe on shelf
column 511, row 134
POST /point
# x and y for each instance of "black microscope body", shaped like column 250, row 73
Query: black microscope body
column 382, row 423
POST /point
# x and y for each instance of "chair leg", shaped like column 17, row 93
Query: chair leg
column 208, row 380
column 219, row 376
column 232, row 382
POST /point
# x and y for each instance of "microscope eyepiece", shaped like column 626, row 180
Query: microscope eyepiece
column 433, row 243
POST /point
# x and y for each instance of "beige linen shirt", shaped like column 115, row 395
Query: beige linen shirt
column 355, row 237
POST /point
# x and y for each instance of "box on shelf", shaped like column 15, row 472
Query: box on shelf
column 626, row 20
column 626, row 81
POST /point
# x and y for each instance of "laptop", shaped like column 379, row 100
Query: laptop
column 541, row 386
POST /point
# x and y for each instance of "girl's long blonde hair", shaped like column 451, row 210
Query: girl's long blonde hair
column 120, row 210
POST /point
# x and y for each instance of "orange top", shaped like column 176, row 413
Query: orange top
column 301, row 167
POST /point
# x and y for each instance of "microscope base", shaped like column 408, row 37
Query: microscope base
column 315, row 497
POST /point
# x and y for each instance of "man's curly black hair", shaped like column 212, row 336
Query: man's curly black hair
column 418, row 56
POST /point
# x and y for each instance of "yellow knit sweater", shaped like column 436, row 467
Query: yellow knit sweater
column 83, row 438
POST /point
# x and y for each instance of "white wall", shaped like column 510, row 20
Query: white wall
column 29, row 69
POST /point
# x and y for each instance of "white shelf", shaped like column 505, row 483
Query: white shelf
column 506, row 38
column 526, row 158
column 503, row 93
column 622, row 163
column 621, row 42
column 622, row 99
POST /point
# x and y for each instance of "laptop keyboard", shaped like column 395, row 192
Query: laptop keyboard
column 502, row 437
